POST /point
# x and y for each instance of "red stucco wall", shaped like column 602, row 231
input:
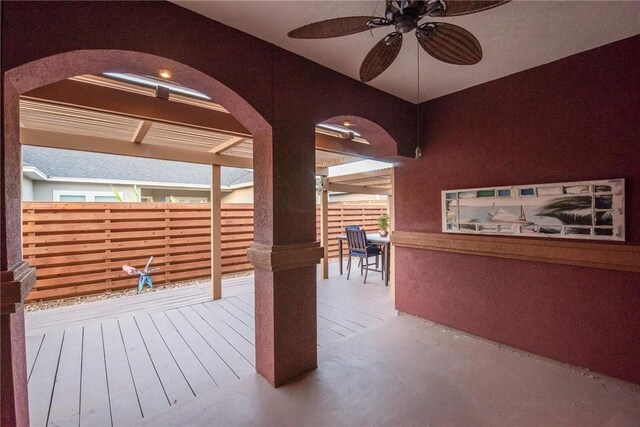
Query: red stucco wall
column 281, row 86
column 570, row 120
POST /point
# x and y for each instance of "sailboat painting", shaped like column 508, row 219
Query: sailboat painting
column 575, row 210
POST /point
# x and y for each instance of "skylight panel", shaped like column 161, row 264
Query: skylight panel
column 152, row 82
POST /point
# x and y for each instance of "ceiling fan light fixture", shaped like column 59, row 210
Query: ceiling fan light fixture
column 443, row 41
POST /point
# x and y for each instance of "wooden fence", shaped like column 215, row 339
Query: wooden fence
column 79, row 248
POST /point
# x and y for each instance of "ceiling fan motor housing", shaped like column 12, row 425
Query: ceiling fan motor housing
column 404, row 15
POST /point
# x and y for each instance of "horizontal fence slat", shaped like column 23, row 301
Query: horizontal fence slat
column 79, row 248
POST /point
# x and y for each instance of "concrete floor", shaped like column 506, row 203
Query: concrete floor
column 410, row 373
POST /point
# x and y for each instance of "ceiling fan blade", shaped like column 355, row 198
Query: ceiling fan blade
column 465, row 7
column 449, row 43
column 336, row 27
column 380, row 56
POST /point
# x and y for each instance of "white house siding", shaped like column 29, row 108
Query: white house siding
column 44, row 190
column 159, row 195
column 27, row 189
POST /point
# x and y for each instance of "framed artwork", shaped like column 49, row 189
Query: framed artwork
column 575, row 210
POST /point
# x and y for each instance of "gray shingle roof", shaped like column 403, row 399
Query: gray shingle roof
column 79, row 164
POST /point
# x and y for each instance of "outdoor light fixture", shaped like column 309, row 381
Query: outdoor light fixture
column 343, row 132
column 154, row 82
column 164, row 73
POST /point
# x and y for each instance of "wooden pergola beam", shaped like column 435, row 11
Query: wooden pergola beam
column 99, row 98
column 357, row 189
column 126, row 148
column 104, row 99
column 143, row 129
column 361, row 175
column 344, row 146
column 321, row 171
column 150, row 110
column 232, row 142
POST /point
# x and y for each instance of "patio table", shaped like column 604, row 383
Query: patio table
column 376, row 239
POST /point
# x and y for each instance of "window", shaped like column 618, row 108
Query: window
column 105, row 199
column 72, row 198
column 85, row 196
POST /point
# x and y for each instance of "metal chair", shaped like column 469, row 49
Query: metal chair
column 359, row 248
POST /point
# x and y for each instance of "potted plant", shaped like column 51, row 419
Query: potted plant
column 383, row 225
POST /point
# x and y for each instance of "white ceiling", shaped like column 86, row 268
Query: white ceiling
column 514, row 37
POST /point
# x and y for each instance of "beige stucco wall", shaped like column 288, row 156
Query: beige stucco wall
column 240, row 195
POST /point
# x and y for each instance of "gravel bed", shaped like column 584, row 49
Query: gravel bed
column 45, row 305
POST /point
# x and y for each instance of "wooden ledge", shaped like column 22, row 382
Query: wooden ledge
column 596, row 255
column 15, row 286
column 284, row 257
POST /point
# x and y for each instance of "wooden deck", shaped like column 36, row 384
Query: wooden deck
column 114, row 362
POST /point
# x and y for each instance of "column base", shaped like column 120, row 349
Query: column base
column 286, row 322
column 15, row 285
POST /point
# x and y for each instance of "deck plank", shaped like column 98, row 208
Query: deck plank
column 33, row 345
column 175, row 384
column 232, row 321
column 352, row 318
column 238, row 313
column 194, row 371
column 229, row 355
column 220, row 372
column 242, row 304
column 65, row 403
column 237, row 341
column 95, row 408
column 150, row 389
column 43, row 378
column 125, row 407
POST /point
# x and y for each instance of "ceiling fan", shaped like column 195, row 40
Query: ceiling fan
column 445, row 42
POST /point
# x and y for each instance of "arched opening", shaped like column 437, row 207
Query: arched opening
column 356, row 192
column 40, row 74
column 382, row 145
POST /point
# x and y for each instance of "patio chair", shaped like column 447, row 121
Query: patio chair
column 359, row 248
column 143, row 275
column 354, row 227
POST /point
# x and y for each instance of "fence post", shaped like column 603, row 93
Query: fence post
column 107, row 233
column 324, row 232
column 216, row 233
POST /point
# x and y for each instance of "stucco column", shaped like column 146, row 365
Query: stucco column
column 16, row 277
column 285, row 253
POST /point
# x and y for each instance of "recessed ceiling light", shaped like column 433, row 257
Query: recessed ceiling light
column 346, row 123
column 165, row 74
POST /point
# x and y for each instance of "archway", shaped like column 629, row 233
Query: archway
column 18, row 277
column 380, row 145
